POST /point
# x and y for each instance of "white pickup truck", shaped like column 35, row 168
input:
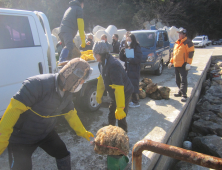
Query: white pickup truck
column 201, row 41
column 27, row 49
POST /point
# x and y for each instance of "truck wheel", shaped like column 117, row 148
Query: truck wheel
column 88, row 101
column 160, row 69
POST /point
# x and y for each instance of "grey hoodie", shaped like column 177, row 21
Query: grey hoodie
column 69, row 22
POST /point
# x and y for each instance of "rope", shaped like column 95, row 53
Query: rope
column 110, row 147
column 46, row 116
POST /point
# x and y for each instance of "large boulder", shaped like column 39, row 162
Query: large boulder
column 207, row 83
column 203, row 106
column 210, row 145
column 151, row 88
column 192, row 135
column 205, row 127
column 219, row 81
column 215, row 91
column 181, row 165
column 209, row 116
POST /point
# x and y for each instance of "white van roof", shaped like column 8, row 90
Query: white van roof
column 15, row 11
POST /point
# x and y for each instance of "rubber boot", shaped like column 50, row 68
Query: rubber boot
column 64, row 163
column 64, row 55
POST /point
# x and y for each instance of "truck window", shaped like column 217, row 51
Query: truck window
column 145, row 39
column 15, row 32
column 165, row 37
column 197, row 39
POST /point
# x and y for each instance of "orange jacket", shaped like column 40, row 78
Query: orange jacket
column 183, row 52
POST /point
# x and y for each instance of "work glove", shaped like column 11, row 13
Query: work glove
column 9, row 119
column 100, row 89
column 87, row 135
column 120, row 114
column 120, row 101
column 187, row 67
column 76, row 124
column 170, row 65
column 80, row 22
column 83, row 45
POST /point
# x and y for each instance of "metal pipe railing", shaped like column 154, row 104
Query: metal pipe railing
column 173, row 152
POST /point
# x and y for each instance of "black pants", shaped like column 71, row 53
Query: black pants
column 135, row 98
column 20, row 154
column 181, row 79
column 67, row 41
column 112, row 108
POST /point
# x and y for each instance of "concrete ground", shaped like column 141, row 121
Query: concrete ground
column 153, row 120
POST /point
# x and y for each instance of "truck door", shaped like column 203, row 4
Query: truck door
column 166, row 44
column 159, row 46
column 21, row 54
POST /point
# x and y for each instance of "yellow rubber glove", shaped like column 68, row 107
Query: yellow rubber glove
column 77, row 126
column 120, row 101
column 9, row 119
column 100, row 89
column 80, row 22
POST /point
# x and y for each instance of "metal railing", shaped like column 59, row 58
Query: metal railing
column 173, row 152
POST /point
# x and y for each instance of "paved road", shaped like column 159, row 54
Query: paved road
column 153, row 120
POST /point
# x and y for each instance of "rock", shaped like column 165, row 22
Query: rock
column 210, row 116
column 142, row 93
column 218, row 81
column 212, row 99
column 192, row 135
column 203, row 106
column 220, row 115
column 150, row 88
column 206, row 83
column 212, row 68
column 215, row 90
column 147, row 81
column 207, row 127
column 219, row 64
column 214, row 83
column 156, row 95
column 196, row 116
column 216, row 67
column 220, row 72
column 206, row 88
column 210, row 145
column 164, row 92
column 142, row 85
column 181, row 165
column 217, row 78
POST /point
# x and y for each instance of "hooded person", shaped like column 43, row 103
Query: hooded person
column 113, row 79
column 30, row 118
column 72, row 22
